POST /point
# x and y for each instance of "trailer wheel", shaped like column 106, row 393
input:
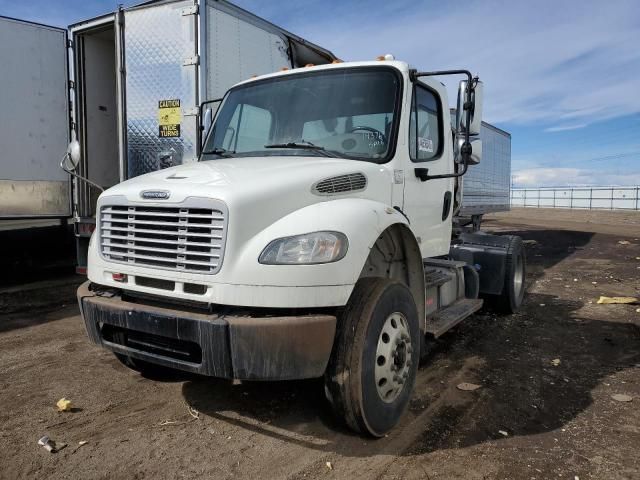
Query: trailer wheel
column 510, row 300
column 373, row 365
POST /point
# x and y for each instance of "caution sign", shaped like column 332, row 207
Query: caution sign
column 169, row 118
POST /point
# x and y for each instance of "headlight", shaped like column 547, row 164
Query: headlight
column 310, row 248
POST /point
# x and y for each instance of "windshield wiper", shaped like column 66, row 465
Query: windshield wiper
column 223, row 152
column 304, row 145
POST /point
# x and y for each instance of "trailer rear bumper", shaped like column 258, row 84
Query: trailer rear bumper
column 240, row 345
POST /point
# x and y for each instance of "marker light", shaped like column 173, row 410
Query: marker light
column 337, row 60
column 388, row 57
column 310, row 65
column 119, row 277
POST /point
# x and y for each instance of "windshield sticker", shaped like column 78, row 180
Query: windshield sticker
column 169, row 118
column 425, row 144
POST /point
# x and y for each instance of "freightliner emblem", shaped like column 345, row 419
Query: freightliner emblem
column 155, row 194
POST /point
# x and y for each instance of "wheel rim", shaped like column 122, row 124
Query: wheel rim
column 393, row 357
column 518, row 276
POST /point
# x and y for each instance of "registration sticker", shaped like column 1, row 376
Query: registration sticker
column 425, row 144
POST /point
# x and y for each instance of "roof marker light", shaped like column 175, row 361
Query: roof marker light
column 310, row 65
column 337, row 60
column 387, row 57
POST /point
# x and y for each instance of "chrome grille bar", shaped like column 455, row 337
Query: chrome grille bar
column 175, row 238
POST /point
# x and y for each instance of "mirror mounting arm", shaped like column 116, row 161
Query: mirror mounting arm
column 466, row 150
column 64, row 167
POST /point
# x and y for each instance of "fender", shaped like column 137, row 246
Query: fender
column 361, row 220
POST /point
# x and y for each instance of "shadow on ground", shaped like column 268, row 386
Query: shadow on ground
column 522, row 392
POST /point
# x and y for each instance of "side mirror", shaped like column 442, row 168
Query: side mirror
column 474, row 110
column 73, row 153
column 476, row 151
column 208, row 110
column 207, row 118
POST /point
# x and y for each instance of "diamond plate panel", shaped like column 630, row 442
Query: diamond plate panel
column 157, row 41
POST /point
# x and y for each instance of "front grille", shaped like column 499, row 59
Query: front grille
column 174, row 238
column 351, row 182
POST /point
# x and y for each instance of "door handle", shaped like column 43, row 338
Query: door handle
column 422, row 174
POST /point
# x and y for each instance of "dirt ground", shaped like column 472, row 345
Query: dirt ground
column 531, row 418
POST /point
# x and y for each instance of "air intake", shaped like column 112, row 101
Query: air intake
column 352, row 182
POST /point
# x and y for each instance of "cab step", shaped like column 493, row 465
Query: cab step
column 435, row 278
column 452, row 315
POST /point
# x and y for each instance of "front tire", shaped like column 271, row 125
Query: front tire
column 373, row 367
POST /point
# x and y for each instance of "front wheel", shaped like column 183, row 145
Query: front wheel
column 373, row 367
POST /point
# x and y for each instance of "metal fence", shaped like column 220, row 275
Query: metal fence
column 591, row 198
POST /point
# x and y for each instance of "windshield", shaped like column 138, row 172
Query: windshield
column 348, row 113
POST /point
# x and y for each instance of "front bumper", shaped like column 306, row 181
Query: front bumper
column 235, row 345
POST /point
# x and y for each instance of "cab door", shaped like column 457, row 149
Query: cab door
column 428, row 204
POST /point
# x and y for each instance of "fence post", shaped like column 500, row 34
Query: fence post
column 571, row 198
column 637, row 190
column 611, row 199
column 590, row 198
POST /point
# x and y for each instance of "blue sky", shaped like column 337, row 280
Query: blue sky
column 561, row 76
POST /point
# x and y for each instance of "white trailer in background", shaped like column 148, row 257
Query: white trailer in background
column 140, row 75
column 487, row 185
column 34, row 111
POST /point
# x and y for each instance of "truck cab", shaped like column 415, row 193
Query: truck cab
column 313, row 238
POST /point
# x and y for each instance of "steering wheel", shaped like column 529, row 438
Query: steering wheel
column 378, row 133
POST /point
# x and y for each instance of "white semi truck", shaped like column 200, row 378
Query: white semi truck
column 313, row 238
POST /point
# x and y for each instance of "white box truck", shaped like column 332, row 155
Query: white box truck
column 314, row 237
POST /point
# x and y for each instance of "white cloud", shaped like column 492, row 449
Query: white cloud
column 564, row 128
column 542, row 62
column 565, row 177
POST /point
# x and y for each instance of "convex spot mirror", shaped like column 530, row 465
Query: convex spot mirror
column 476, row 151
column 73, row 153
column 475, row 112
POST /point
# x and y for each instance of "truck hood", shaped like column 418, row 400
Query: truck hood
column 256, row 179
column 257, row 191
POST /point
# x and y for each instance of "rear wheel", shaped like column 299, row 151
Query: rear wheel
column 512, row 296
column 373, row 366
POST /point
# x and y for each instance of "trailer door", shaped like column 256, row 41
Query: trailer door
column 161, row 61
column 34, row 114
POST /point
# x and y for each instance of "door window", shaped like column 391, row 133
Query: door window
column 425, row 132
